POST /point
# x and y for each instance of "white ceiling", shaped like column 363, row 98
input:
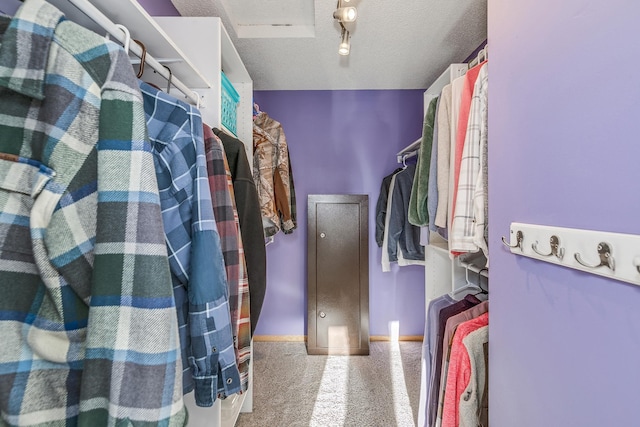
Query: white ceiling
column 293, row 44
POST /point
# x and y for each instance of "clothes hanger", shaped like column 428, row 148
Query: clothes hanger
column 142, row 58
column 470, row 288
column 170, row 78
column 127, row 37
column 482, row 290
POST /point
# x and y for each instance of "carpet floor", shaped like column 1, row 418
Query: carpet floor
column 293, row 389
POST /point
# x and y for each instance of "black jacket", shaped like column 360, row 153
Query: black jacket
column 250, row 219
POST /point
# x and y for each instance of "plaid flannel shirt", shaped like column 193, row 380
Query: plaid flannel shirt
column 195, row 255
column 228, row 223
column 87, row 315
column 244, row 300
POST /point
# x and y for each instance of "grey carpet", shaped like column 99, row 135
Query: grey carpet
column 292, row 388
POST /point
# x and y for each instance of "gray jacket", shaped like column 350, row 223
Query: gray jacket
column 401, row 233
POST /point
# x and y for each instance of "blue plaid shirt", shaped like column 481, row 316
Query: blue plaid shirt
column 195, row 255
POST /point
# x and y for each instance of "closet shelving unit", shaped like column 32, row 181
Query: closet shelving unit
column 443, row 273
column 196, row 50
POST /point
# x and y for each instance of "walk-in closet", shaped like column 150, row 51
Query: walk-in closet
column 340, row 213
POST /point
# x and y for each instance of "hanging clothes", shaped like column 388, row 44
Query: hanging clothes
column 244, row 310
column 465, row 229
column 381, row 206
column 466, row 96
column 292, row 202
column 248, row 206
column 418, row 210
column 385, row 260
column 432, row 191
column 443, row 142
column 271, row 173
column 226, row 215
column 459, row 371
column 403, row 237
column 474, row 402
column 450, row 328
column 87, row 314
column 481, row 193
column 195, row 255
column 457, row 87
column 434, row 381
column 428, row 351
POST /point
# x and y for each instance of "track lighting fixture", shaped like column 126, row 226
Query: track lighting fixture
column 345, row 44
column 345, row 15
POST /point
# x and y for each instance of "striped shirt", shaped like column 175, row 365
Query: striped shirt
column 87, row 314
column 193, row 243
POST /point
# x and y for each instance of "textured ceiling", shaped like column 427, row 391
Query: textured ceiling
column 394, row 44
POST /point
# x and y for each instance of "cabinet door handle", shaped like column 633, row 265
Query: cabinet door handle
column 323, row 314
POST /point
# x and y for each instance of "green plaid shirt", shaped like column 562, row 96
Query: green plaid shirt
column 87, row 315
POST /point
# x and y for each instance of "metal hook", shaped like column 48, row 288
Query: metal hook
column 606, row 259
column 556, row 250
column 519, row 239
column 143, row 57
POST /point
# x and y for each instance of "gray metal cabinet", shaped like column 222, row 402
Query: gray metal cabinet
column 338, row 274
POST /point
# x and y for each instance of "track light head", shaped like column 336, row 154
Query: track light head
column 345, row 44
column 346, row 14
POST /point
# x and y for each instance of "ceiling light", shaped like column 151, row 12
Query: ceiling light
column 345, row 45
column 345, row 14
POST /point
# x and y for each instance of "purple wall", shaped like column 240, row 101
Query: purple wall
column 9, row 7
column 341, row 142
column 564, row 151
column 159, row 7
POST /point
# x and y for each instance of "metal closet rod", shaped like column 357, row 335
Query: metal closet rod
column 99, row 18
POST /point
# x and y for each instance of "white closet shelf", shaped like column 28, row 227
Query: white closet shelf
column 452, row 72
column 142, row 27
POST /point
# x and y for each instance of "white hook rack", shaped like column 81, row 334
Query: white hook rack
column 613, row 255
